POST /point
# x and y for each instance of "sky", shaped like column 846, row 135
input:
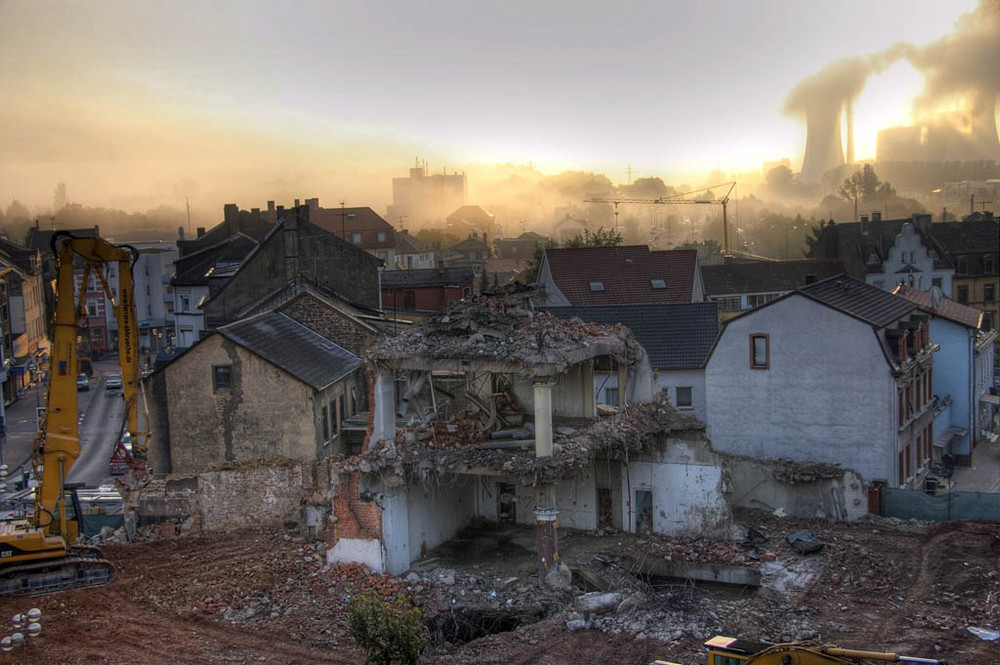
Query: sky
column 136, row 103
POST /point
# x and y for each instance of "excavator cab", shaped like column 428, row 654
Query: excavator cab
column 731, row 651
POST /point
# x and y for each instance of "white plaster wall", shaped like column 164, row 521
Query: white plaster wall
column 395, row 532
column 754, row 486
column 669, row 380
column 687, row 488
column 909, row 251
column 358, row 550
column 828, row 395
column 577, row 502
column 437, row 513
column 567, row 394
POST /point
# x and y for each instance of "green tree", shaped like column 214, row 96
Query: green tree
column 600, row 238
column 864, row 186
column 438, row 237
column 387, row 632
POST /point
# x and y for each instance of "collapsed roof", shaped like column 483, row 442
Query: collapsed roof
column 504, row 333
column 574, row 450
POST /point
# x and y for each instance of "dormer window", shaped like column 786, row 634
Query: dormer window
column 657, row 284
column 596, row 286
column 356, row 237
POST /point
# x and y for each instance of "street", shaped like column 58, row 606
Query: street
column 101, row 416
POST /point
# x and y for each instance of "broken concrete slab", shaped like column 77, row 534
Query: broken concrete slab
column 598, row 602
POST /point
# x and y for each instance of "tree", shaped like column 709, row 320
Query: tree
column 600, row 238
column 388, row 633
column 530, row 273
column 438, row 237
column 778, row 178
column 865, row 187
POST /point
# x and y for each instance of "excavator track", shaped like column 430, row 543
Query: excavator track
column 76, row 571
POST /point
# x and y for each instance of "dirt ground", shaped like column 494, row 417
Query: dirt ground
column 269, row 597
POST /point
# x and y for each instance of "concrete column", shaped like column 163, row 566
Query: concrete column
column 622, row 386
column 543, row 417
column 589, row 403
column 384, row 408
column 546, row 513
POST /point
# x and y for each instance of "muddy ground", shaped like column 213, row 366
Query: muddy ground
column 269, row 597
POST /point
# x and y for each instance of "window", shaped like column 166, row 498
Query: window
column 987, row 324
column 597, row 286
column 222, row 378
column 185, row 304
column 760, row 351
column 962, row 293
column 963, row 267
column 657, row 284
column 381, row 236
column 729, row 304
column 989, row 293
column 356, row 237
column 92, row 308
column 467, row 292
column 988, row 265
column 611, row 396
column 936, row 281
column 684, row 396
column 326, row 424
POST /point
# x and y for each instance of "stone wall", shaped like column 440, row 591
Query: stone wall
column 265, row 494
column 331, row 323
column 267, row 413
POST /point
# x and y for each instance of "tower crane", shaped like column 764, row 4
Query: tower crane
column 680, row 200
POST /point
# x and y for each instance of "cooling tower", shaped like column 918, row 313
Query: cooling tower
column 824, row 149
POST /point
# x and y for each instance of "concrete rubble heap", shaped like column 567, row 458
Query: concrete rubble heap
column 612, row 438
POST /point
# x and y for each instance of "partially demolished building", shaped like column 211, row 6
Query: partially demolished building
column 489, row 412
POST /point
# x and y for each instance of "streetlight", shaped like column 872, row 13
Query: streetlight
column 29, row 622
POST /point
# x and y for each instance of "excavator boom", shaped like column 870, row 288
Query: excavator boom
column 40, row 557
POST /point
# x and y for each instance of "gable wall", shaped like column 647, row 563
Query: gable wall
column 267, row 414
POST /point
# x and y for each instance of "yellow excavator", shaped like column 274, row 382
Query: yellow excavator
column 40, row 555
column 734, row 651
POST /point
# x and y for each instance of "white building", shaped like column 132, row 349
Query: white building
column 837, row 372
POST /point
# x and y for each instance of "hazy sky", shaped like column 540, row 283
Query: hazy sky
column 138, row 102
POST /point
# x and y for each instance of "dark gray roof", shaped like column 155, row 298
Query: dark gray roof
column 192, row 269
column 291, row 346
column 678, row 336
column 427, row 277
column 860, row 300
column 766, row 276
column 969, row 237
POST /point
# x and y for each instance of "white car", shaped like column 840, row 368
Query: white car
column 114, row 382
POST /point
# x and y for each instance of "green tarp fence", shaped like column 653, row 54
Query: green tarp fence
column 914, row 504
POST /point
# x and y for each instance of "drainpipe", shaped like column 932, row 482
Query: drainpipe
column 546, row 513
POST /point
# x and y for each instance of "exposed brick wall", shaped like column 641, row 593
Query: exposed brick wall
column 330, row 323
column 354, row 518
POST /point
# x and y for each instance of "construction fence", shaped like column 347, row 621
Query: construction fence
column 914, row 504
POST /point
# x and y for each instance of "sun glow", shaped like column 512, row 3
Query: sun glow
column 887, row 101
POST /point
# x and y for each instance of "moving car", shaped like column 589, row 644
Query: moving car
column 82, row 383
column 114, row 382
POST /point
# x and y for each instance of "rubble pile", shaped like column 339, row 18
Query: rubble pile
column 505, row 329
column 615, row 437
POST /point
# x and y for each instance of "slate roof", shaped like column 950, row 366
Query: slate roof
column 766, row 276
column 863, row 301
column 625, row 273
column 675, row 336
column 192, row 269
column 472, row 214
column 291, row 346
column 946, row 308
column 971, row 237
column 407, row 244
column 246, row 223
column 427, row 278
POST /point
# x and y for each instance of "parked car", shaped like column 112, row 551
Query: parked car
column 114, row 382
column 82, row 383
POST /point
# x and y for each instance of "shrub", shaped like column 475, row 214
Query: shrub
column 388, row 632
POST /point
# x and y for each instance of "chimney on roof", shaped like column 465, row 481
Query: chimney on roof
column 230, row 213
column 280, row 212
column 313, row 203
column 291, row 231
column 922, row 222
column 270, row 206
column 864, row 224
column 201, row 231
column 296, row 203
column 876, row 216
column 180, row 233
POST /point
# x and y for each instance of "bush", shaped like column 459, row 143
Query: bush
column 388, row 632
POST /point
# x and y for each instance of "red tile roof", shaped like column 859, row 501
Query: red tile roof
column 625, row 272
column 946, row 308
